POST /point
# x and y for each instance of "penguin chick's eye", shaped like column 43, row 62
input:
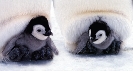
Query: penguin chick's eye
column 100, row 34
column 38, row 30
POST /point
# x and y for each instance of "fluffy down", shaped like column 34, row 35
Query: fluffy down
column 15, row 15
column 75, row 17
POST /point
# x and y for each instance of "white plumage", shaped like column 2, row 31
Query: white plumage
column 75, row 17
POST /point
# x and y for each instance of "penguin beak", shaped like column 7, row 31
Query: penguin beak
column 93, row 39
column 48, row 33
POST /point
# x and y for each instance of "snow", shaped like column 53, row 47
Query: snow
column 66, row 61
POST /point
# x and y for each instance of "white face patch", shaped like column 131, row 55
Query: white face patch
column 38, row 32
column 90, row 33
column 100, row 36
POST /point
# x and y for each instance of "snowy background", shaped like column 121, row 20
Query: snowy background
column 66, row 61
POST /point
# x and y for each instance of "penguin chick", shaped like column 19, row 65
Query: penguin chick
column 97, row 36
column 34, row 37
column 100, row 35
column 99, row 39
column 103, row 39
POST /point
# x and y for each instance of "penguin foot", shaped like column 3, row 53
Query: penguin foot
column 21, row 53
column 44, row 53
column 17, row 53
column 114, row 48
column 89, row 49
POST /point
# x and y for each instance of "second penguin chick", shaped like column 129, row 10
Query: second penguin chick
column 102, row 37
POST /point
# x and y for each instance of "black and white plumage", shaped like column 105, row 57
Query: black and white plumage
column 33, row 43
column 103, row 38
column 100, row 35
column 100, row 39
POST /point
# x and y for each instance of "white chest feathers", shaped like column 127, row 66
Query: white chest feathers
column 38, row 32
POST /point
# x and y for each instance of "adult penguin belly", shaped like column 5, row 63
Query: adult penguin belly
column 75, row 18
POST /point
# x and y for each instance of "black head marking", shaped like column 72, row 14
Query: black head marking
column 99, row 25
column 40, row 20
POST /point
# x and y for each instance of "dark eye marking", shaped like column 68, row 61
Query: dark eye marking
column 100, row 35
column 38, row 30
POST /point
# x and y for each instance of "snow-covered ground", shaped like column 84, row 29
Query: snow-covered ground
column 66, row 61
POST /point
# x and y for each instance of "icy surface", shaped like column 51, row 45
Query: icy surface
column 66, row 61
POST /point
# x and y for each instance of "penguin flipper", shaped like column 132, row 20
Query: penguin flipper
column 81, row 42
column 10, row 45
column 52, row 46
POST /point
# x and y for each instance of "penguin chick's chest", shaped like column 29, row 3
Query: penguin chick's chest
column 31, row 42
